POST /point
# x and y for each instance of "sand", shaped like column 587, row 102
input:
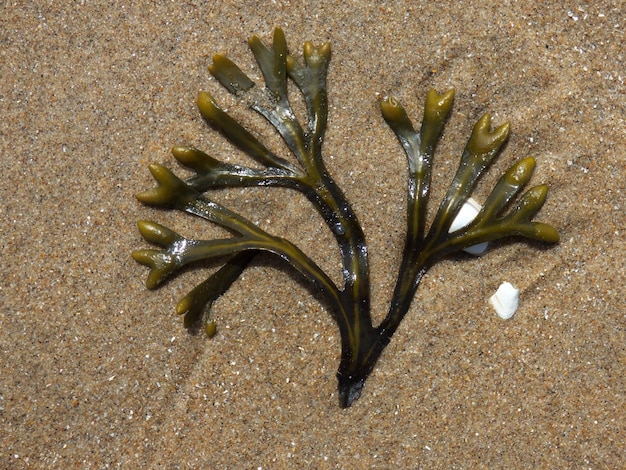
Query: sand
column 97, row 372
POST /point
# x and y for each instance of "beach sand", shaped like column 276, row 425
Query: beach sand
column 97, row 372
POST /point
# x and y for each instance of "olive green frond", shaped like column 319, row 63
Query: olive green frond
column 362, row 343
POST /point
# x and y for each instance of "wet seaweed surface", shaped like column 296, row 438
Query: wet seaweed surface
column 362, row 342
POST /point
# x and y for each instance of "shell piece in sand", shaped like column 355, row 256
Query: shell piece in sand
column 469, row 211
column 505, row 300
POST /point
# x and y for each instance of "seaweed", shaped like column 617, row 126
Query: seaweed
column 361, row 342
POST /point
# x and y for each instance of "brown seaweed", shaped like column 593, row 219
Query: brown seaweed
column 361, row 342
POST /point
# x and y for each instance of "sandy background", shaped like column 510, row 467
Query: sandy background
column 97, row 372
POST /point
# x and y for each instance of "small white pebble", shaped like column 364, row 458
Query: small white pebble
column 505, row 300
column 468, row 212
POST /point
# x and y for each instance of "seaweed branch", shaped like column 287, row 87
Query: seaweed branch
column 361, row 342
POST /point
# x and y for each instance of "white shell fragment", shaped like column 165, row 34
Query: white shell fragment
column 468, row 212
column 505, row 300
